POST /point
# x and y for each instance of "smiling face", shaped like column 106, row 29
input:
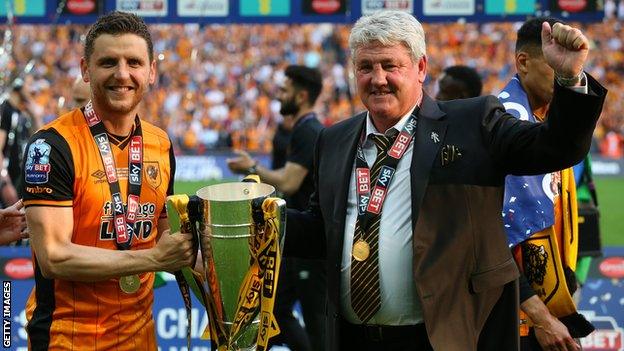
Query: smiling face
column 119, row 72
column 389, row 82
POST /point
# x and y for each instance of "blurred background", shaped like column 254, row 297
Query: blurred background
column 220, row 63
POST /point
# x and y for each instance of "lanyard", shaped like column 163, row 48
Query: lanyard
column 123, row 220
column 370, row 202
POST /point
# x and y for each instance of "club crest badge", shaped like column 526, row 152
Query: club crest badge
column 152, row 173
column 37, row 167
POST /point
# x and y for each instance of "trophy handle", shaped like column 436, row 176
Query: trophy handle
column 258, row 214
column 182, row 212
column 281, row 204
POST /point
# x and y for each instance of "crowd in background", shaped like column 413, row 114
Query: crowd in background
column 216, row 85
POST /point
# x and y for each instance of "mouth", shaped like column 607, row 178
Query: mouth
column 120, row 88
column 381, row 93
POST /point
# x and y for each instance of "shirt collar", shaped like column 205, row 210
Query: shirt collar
column 395, row 129
column 304, row 118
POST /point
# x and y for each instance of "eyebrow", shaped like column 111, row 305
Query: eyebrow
column 106, row 59
column 369, row 61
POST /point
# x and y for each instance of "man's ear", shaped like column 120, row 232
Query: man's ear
column 521, row 62
column 84, row 70
column 152, row 73
column 302, row 97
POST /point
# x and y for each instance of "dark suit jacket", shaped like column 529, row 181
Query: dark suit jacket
column 464, row 274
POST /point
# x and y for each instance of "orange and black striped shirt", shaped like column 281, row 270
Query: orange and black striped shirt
column 63, row 167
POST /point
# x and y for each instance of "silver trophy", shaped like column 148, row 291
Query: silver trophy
column 240, row 228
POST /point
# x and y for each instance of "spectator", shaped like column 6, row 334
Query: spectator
column 12, row 224
column 459, row 82
column 234, row 80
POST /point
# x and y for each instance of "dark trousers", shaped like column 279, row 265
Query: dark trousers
column 387, row 338
column 303, row 280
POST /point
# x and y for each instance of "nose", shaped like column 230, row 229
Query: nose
column 122, row 71
column 378, row 76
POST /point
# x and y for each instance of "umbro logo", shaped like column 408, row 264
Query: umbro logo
column 99, row 175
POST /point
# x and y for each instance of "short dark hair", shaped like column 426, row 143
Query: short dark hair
column 306, row 78
column 467, row 76
column 530, row 34
column 118, row 23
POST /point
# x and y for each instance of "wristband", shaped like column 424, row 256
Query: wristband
column 569, row 81
column 253, row 169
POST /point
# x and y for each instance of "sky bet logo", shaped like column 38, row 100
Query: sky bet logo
column 136, row 157
column 380, row 190
column 403, row 139
column 107, row 157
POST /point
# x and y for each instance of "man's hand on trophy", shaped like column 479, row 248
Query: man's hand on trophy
column 174, row 251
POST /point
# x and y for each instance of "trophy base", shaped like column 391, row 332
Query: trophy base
column 246, row 341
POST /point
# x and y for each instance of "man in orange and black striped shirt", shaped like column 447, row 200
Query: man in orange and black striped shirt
column 95, row 183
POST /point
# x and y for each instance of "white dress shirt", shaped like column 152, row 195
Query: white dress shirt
column 399, row 302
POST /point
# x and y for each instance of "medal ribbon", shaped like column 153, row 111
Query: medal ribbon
column 370, row 201
column 123, row 220
column 188, row 280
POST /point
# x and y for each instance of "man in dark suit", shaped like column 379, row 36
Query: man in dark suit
column 416, row 254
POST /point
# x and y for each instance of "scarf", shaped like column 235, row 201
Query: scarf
column 528, row 202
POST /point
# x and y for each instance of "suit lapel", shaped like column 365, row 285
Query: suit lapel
column 348, row 141
column 430, row 132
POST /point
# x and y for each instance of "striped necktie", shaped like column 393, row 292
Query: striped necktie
column 365, row 294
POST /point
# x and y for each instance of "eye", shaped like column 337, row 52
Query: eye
column 365, row 68
column 107, row 63
column 134, row 62
column 390, row 67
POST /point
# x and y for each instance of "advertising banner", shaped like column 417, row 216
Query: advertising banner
column 199, row 168
column 203, row 8
column 510, row 7
column 324, row 7
column 25, row 8
column 449, row 7
column 298, row 11
column 264, row 8
column 81, row 7
column 602, row 302
column 147, row 8
column 371, row 6
column 575, row 6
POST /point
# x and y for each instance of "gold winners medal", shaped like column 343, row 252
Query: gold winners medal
column 130, row 284
column 361, row 250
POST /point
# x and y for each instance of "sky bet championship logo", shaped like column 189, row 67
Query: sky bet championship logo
column 38, row 162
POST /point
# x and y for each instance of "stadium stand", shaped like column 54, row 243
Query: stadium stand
column 217, row 84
